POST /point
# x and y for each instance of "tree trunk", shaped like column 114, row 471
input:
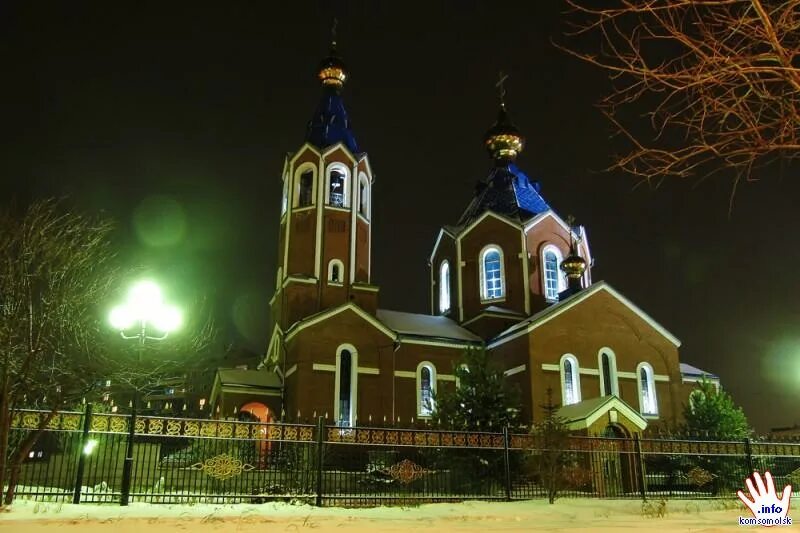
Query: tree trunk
column 24, row 448
column 5, row 430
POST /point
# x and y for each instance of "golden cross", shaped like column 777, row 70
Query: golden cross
column 501, row 87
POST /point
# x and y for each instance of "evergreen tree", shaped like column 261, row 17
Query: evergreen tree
column 553, row 459
column 712, row 412
column 483, row 399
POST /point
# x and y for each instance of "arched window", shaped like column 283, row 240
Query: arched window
column 305, row 180
column 426, row 389
column 444, row 288
column 363, row 196
column 552, row 277
column 608, row 373
column 335, row 271
column 492, row 273
column 285, row 195
column 337, row 186
column 570, row 380
column 648, row 403
column 346, row 386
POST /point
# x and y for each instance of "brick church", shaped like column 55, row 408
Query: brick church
column 511, row 276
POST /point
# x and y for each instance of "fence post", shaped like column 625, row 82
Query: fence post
column 320, row 444
column 748, row 450
column 640, row 466
column 87, row 424
column 507, row 461
column 127, row 466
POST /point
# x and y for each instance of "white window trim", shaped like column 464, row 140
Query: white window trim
column 562, row 282
column 353, row 383
column 434, row 378
column 363, row 211
column 285, row 194
column 331, row 264
column 576, row 378
column 302, row 169
column 482, row 270
column 651, row 383
column 346, row 189
column 612, row 365
column 445, row 302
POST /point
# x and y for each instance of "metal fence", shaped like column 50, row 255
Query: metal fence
column 82, row 457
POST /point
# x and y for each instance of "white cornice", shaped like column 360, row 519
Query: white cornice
column 557, row 309
column 303, row 149
column 480, row 219
column 325, row 315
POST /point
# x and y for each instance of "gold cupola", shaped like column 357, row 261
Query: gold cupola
column 573, row 265
column 503, row 140
column 332, row 71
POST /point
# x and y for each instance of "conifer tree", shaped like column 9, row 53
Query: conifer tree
column 482, row 400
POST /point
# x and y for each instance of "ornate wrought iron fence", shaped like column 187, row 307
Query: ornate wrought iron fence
column 80, row 457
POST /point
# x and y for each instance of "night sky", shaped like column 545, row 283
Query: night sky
column 175, row 119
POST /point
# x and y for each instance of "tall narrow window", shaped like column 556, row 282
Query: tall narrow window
column 305, row 195
column 336, row 184
column 608, row 373
column 285, row 197
column 444, row 288
column 335, row 271
column 492, row 274
column 345, row 378
column 647, row 390
column 426, row 388
column 363, row 196
column 553, row 279
column 570, row 380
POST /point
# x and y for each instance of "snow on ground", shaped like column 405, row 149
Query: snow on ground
column 566, row 514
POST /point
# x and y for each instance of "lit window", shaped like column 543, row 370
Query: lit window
column 346, row 376
column 426, row 388
column 608, row 373
column 444, row 288
column 285, row 196
column 335, row 271
column 363, row 196
column 647, row 390
column 337, row 187
column 570, row 380
column 306, row 195
column 553, row 278
column 492, row 274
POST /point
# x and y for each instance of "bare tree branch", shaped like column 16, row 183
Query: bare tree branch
column 720, row 78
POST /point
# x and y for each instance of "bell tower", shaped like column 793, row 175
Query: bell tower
column 324, row 244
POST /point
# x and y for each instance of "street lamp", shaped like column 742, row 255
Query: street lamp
column 144, row 307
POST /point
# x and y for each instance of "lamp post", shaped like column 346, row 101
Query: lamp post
column 144, row 308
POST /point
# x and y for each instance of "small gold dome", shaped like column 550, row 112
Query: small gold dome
column 332, row 71
column 503, row 140
column 573, row 266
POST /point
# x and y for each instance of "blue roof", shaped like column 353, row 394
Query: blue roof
column 330, row 124
column 507, row 191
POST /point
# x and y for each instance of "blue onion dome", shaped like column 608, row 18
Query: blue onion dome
column 503, row 140
column 332, row 71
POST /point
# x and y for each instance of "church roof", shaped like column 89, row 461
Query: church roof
column 425, row 325
column 330, row 124
column 508, row 191
column 248, row 378
column 693, row 371
column 583, row 414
